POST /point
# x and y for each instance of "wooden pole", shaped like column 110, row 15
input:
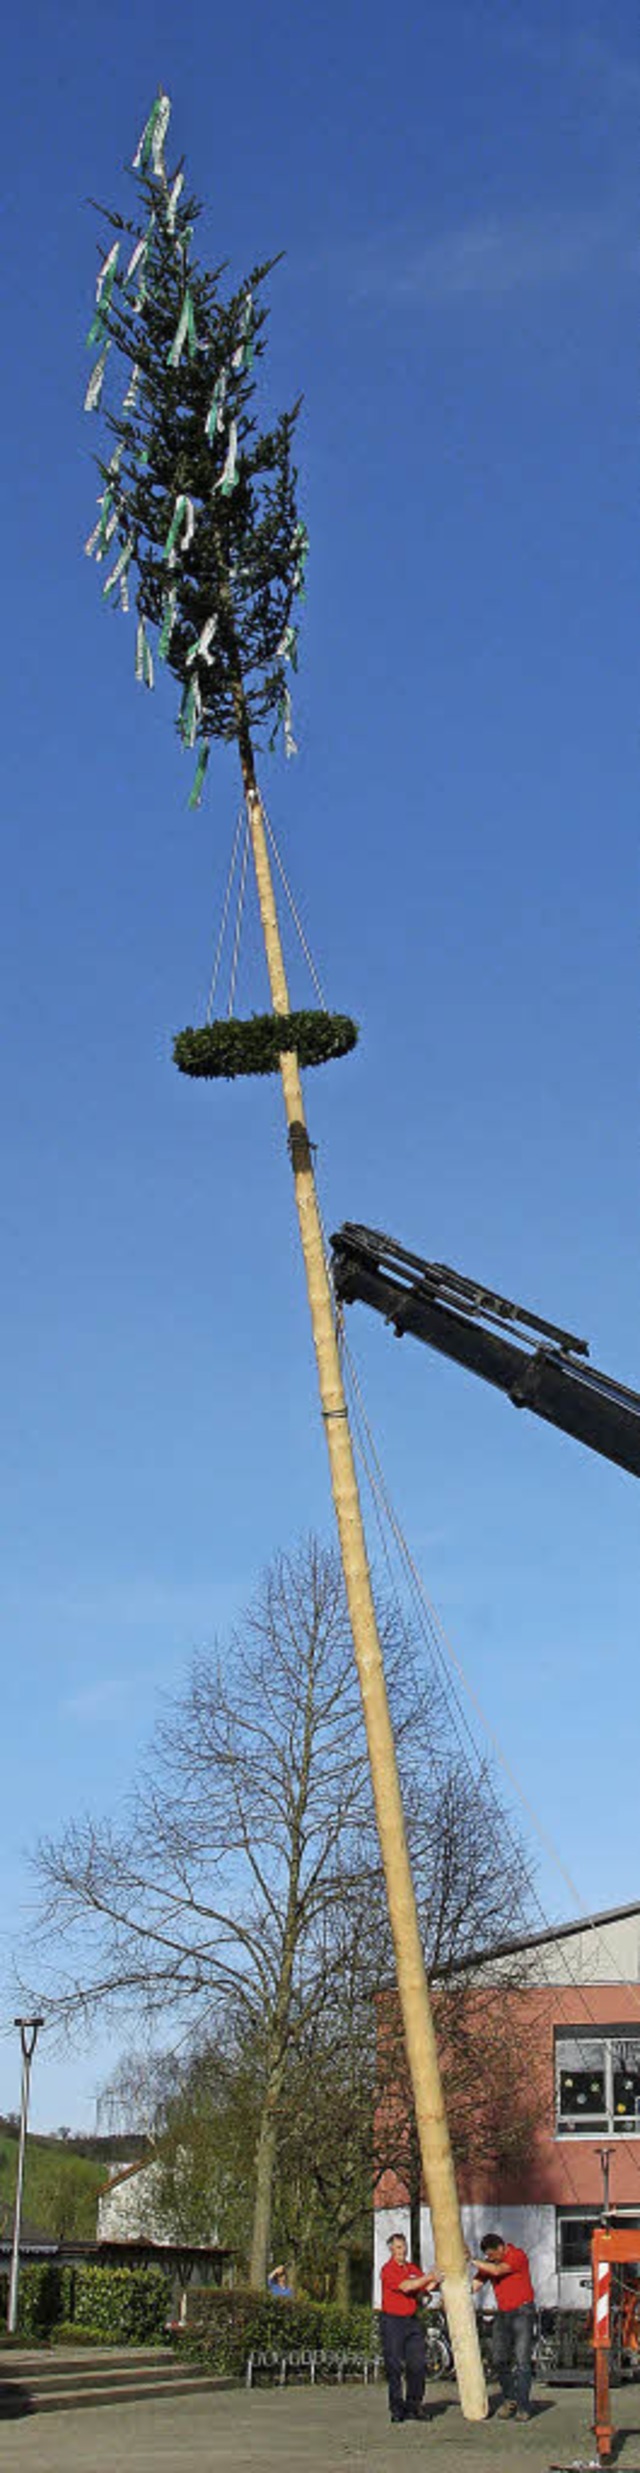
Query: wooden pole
column 435, row 2148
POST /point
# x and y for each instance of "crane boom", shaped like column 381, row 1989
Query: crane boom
column 540, row 1366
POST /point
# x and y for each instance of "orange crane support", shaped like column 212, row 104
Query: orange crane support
column 611, row 2247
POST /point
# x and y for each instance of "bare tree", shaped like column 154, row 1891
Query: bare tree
column 251, row 1822
column 345, row 2115
column 241, row 1892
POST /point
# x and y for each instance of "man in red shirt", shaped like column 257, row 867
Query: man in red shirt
column 402, row 2335
column 507, row 2269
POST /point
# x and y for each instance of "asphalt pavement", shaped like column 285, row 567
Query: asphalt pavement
column 311, row 2430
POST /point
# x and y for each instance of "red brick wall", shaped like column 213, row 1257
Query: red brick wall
column 562, row 2172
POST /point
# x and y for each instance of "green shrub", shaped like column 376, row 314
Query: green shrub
column 225, row 2327
column 125, row 2305
column 40, row 2297
column 68, row 2332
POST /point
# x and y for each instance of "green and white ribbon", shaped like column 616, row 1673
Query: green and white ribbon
column 144, row 656
column 228, row 477
column 185, row 332
column 168, row 624
column 107, row 275
column 290, row 747
column 215, row 416
column 150, row 147
column 97, row 330
column 104, row 529
column 94, row 389
column 200, row 650
column 119, row 571
column 116, row 459
column 191, row 713
column 172, row 201
column 195, row 794
column 300, row 546
column 138, row 266
column 183, row 516
column 129, row 400
column 243, row 356
column 99, row 528
column 123, row 589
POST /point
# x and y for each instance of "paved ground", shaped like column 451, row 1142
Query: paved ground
column 327, row 2430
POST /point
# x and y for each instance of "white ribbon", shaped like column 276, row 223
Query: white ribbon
column 130, row 399
column 144, row 656
column 200, row 651
column 172, row 201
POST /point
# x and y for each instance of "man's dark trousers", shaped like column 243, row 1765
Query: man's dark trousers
column 512, row 2348
column 403, row 2349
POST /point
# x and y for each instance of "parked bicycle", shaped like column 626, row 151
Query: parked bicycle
column 439, row 2356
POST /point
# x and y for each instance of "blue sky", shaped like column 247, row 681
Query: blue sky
column 456, row 191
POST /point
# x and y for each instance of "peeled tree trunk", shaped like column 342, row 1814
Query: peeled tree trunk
column 435, row 2149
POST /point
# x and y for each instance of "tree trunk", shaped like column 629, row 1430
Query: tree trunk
column 343, row 2276
column 262, row 2205
column 412, row 1983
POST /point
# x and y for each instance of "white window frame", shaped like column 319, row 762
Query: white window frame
column 607, row 2123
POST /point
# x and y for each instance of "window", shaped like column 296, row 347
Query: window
column 574, row 2231
column 625, row 2070
column 598, row 2084
column 574, row 2242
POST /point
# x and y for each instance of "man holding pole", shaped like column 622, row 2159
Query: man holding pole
column 507, row 2269
column 403, row 2343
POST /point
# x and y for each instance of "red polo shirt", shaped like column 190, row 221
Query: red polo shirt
column 395, row 2303
column 516, row 2287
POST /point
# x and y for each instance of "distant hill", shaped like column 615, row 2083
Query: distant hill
column 63, row 2176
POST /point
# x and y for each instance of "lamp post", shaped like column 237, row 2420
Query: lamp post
column 604, row 2155
column 29, row 2030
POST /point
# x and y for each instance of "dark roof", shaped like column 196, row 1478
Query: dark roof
column 44, row 2245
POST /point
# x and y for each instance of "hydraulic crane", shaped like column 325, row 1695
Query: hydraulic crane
column 539, row 1366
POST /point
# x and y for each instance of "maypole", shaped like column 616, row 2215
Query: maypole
column 200, row 506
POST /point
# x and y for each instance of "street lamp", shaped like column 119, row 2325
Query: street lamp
column 29, row 2030
column 604, row 2155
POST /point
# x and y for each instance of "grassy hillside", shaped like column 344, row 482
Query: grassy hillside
column 60, row 2187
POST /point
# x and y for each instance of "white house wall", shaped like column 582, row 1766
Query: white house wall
column 604, row 1953
column 530, row 2228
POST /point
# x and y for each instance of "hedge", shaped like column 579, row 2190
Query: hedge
column 129, row 2304
column 120, row 2305
column 45, row 2292
column 226, row 2326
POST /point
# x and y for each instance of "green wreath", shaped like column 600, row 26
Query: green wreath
column 223, row 1050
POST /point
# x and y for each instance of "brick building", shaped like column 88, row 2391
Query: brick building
column 569, row 2001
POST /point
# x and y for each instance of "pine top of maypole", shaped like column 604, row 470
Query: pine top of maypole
column 198, row 503
column 198, row 518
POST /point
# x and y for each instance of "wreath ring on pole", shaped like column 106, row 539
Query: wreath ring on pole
column 223, row 1050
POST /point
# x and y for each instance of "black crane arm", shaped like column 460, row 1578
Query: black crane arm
column 540, row 1366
